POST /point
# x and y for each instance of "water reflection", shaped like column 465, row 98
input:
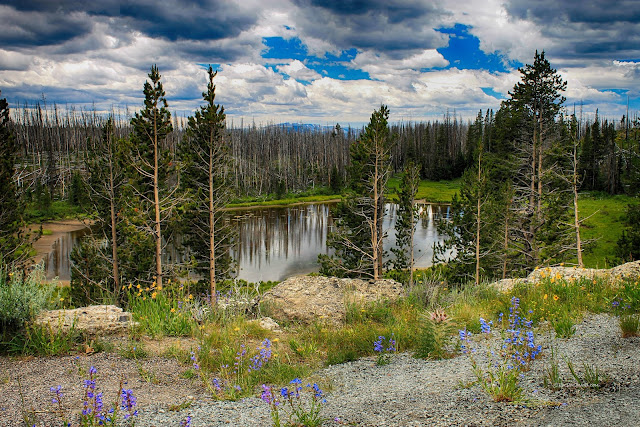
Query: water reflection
column 57, row 263
column 277, row 242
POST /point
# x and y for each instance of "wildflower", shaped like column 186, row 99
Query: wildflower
column 138, row 286
column 377, row 346
column 129, row 401
column 153, row 295
column 195, row 361
column 556, row 297
column 438, row 316
column 186, row 422
column 190, row 296
column 173, row 310
column 486, row 328
column 545, row 296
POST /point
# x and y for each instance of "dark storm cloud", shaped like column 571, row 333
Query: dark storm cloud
column 203, row 20
column 608, row 12
column 594, row 29
column 19, row 29
column 396, row 28
column 38, row 22
column 396, row 11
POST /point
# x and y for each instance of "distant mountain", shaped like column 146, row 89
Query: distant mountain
column 309, row 127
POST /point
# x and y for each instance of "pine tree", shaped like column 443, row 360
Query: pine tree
column 150, row 127
column 13, row 243
column 473, row 231
column 98, row 269
column 628, row 247
column 206, row 165
column 406, row 221
column 358, row 236
column 535, row 103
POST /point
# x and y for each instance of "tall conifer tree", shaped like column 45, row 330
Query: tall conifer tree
column 150, row 128
column 206, row 167
column 358, row 238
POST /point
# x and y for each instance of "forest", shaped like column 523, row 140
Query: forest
column 147, row 177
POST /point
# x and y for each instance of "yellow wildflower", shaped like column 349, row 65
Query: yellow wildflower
column 153, row 295
column 190, row 296
column 130, row 285
column 138, row 286
column 545, row 296
column 139, row 293
column 236, row 329
column 144, row 298
column 61, row 299
column 146, row 289
column 275, row 340
column 173, row 310
column 556, row 298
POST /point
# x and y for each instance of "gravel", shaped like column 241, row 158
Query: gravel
column 414, row 392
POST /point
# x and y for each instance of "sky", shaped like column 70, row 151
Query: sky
column 314, row 61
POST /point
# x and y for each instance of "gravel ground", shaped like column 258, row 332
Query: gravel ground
column 407, row 392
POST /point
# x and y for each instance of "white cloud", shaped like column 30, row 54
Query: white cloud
column 298, row 71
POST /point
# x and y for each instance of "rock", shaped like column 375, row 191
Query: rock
column 505, row 285
column 630, row 271
column 94, row 320
column 306, row 299
column 269, row 324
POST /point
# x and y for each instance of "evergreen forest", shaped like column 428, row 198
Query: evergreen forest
column 148, row 176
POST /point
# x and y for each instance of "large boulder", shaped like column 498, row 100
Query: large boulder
column 306, row 299
column 630, row 271
column 93, row 320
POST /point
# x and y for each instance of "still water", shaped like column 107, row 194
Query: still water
column 278, row 242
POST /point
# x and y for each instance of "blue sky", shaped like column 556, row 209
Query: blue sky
column 318, row 61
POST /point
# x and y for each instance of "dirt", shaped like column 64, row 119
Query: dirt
column 157, row 378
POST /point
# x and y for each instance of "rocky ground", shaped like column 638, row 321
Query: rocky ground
column 407, row 392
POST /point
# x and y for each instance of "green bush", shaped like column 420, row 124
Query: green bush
column 22, row 297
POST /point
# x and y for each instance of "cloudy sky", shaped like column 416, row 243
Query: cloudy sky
column 318, row 61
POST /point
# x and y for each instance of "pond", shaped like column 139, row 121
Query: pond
column 278, row 242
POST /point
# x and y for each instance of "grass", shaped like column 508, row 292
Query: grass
column 430, row 191
column 59, row 209
column 231, row 356
column 604, row 226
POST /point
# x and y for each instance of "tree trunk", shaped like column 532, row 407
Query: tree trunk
column 114, row 242
column 156, row 202
column 212, row 241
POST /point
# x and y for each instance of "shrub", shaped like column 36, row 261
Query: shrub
column 22, row 297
